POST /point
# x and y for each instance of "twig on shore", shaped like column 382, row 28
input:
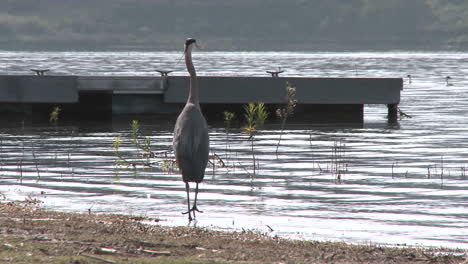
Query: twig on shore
column 163, row 253
column 271, row 229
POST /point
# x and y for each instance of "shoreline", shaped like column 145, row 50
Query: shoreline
column 32, row 234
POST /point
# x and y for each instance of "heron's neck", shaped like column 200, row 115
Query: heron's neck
column 193, row 94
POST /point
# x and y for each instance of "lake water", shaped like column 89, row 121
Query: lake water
column 401, row 183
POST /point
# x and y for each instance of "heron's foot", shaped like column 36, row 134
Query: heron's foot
column 189, row 215
column 195, row 209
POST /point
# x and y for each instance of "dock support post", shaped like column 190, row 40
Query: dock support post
column 164, row 75
column 392, row 112
column 275, row 73
column 40, row 72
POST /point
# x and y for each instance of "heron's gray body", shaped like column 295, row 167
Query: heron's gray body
column 191, row 143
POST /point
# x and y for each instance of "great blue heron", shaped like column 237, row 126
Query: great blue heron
column 191, row 142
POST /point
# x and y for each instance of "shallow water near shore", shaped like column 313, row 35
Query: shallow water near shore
column 401, row 183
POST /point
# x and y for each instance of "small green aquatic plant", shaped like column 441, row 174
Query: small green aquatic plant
column 168, row 165
column 120, row 160
column 146, row 145
column 228, row 117
column 54, row 115
column 255, row 116
column 143, row 146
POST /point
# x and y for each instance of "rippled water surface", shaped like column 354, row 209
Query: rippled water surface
column 396, row 183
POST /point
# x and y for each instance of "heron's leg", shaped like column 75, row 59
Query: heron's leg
column 194, row 208
column 187, row 187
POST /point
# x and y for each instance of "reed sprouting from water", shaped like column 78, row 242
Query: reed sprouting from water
column 21, row 162
column 287, row 110
column 338, row 160
column 228, row 117
column 37, row 167
column 439, row 169
column 1, row 154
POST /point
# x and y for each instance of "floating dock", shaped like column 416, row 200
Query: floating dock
column 340, row 99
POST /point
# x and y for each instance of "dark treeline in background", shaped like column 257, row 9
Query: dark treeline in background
column 301, row 25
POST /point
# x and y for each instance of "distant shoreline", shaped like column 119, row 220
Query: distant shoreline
column 234, row 47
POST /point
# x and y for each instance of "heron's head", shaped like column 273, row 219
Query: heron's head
column 189, row 43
